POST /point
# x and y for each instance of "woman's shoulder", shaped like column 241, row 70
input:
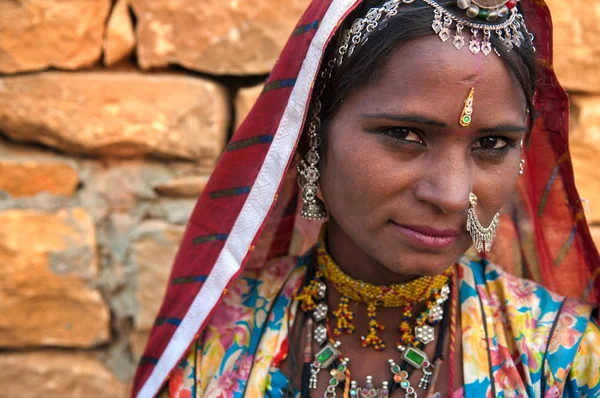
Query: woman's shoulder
column 519, row 294
column 249, row 320
column 530, row 313
column 259, row 286
column 552, row 334
column 585, row 373
column 251, row 298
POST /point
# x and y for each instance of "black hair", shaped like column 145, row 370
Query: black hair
column 412, row 21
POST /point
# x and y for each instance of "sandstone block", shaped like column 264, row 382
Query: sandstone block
column 29, row 178
column 585, row 150
column 57, row 374
column 138, row 343
column 176, row 210
column 123, row 114
column 233, row 37
column 127, row 187
column 153, row 249
column 191, row 186
column 119, row 40
column 38, row 34
column 576, row 43
column 244, row 101
column 46, row 293
column 123, row 183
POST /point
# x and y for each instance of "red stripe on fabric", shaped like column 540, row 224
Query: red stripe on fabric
column 282, row 240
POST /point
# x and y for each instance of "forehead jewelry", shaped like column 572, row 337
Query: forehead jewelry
column 482, row 17
column 467, row 112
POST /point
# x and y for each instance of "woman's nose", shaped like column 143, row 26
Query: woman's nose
column 446, row 185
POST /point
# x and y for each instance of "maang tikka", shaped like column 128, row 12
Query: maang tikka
column 467, row 112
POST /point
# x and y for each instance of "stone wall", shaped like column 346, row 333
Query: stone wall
column 112, row 114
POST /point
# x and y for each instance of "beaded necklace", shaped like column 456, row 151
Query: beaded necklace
column 433, row 290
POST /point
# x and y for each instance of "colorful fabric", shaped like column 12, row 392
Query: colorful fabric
column 248, row 211
column 518, row 338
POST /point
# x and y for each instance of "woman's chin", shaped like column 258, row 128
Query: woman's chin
column 422, row 265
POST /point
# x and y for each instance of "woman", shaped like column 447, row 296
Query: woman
column 416, row 147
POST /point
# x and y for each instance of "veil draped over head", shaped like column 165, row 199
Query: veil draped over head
column 249, row 209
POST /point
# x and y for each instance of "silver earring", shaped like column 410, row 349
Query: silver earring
column 521, row 167
column 308, row 173
column 522, row 163
column 482, row 237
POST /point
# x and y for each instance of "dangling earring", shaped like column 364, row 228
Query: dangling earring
column 521, row 167
column 482, row 237
column 308, row 173
column 522, row 163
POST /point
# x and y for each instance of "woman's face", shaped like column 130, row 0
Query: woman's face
column 399, row 168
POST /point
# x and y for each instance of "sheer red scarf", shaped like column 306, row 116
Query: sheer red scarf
column 248, row 210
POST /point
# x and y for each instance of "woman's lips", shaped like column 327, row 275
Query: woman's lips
column 429, row 237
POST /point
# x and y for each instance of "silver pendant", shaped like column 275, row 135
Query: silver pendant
column 415, row 357
column 320, row 334
column 327, row 355
column 425, row 334
column 459, row 40
column 474, row 45
column 435, row 314
column 320, row 312
column 425, row 379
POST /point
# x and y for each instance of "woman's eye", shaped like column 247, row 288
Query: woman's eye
column 403, row 134
column 490, row 143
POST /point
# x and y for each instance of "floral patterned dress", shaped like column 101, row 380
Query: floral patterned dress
column 518, row 338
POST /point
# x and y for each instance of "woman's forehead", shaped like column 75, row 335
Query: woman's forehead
column 426, row 74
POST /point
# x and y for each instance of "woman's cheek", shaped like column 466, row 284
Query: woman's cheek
column 496, row 188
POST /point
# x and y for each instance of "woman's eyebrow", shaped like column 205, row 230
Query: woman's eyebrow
column 503, row 128
column 405, row 118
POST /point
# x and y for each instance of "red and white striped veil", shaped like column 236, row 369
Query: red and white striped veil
column 248, row 210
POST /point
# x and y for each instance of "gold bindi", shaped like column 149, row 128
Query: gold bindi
column 465, row 117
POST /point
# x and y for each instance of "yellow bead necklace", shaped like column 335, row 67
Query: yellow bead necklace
column 402, row 295
column 395, row 295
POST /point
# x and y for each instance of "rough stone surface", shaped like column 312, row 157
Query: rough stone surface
column 577, row 43
column 138, row 343
column 233, row 37
column 585, row 150
column 123, row 183
column 191, row 186
column 44, row 195
column 57, row 374
column 175, row 211
column 245, row 99
column 117, row 114
column 35, row 35
column 119, row 40
column 46, row 293
column 154, row 246
column 33, row 177
column 26, row 173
